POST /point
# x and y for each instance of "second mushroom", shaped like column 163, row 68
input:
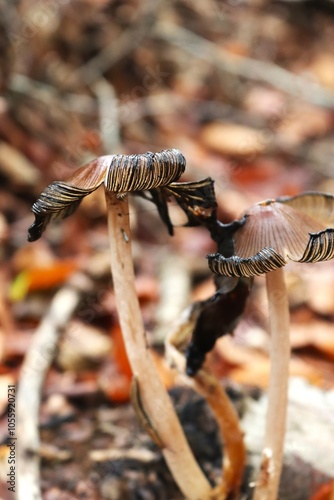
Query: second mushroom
column 272, row 232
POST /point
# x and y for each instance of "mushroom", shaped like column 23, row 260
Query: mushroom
column 296, row 228
column 205, row 321
column 122, row 175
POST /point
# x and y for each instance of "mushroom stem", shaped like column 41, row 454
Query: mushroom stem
column 154, row 397
column 232, row 435
column 272, row 454
column 206, row 384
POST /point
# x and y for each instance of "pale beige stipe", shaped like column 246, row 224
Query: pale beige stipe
column 272, row 454
column 154, row 397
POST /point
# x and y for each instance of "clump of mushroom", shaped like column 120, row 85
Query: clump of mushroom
column 271, row 233
column 153, row 176
column 203, row 322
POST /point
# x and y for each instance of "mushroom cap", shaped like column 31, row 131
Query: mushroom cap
column 121, row 174
column 288, row 228
column 143, row 172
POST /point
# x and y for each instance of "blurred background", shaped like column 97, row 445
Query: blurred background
column 245, row 89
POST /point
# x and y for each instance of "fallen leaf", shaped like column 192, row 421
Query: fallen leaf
column 250, row 366
column 301, row 122
column 325, row 492
column 82, row 347
column 232, row 139
column 316, row 333
column 17, row 167
column 114, row 384
column 119, row 353
column 322, row 68
column 41, row 278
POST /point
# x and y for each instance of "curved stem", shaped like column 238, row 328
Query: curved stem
column 272, row 454
column 206, row 384
column 154, row 398
column 232, row 435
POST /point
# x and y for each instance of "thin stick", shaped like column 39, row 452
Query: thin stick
column 33, row 372
column 272, row 454
column 240, row 66
column 153, row 395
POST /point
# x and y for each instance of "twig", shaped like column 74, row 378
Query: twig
column 80, row 103
column 252, row 69
column 175, row 291
column 33, row 372
column 108, row 107
column 117, row 49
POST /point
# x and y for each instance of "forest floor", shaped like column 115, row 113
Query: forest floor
column 245, row 89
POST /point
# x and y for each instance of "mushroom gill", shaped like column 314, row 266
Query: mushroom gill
column 277, row 226
column 317, row 205
column 298, row 228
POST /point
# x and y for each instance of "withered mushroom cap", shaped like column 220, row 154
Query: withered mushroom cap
column 121, row 174
column 299, row 228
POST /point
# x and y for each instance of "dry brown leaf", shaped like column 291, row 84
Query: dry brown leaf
column 325, row 492
column 232, row 139
column 250, row 366
column 319, row 281
column 316, row 333
column 322, row 68
column 114, row 384
column 257, row 373
column 30, row 256
column 265, row 102
column 83, row 345
column 17, row 167
column 303, row 122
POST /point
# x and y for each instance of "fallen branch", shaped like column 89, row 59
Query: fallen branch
column 33, row 372
column 245, row 67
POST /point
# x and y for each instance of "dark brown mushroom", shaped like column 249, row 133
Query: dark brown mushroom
column 216, row 316
column 296, row 228
column 121, row 174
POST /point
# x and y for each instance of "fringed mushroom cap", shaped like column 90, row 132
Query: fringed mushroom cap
column 121, row 174
column 299, row 228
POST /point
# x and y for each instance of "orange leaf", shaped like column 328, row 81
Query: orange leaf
column 116, row 386
column 325, row 492
column 46, row 277
column 119, row 352
column 41, row 278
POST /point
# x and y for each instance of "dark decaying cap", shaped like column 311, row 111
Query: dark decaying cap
column 299, row 228
column 128, row 173
column 215, row 317
column 196, row 199
column 121, row 174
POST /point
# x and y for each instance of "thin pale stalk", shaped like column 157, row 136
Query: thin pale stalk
column 153, row 395
column 206, row 384
column 272, row 454
column 232, row 435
